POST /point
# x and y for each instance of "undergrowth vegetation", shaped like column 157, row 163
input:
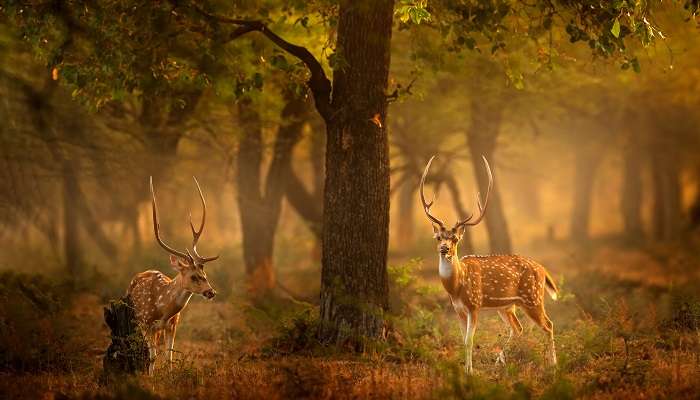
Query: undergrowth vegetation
column 616, row 338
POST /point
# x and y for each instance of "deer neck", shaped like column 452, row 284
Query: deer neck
column 177, row 296
column 448, row 268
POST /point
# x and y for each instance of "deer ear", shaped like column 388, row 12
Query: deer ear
column 176, row 263
column 460, row 231
column 435, row 228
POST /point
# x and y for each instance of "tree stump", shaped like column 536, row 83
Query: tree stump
column 128, row 352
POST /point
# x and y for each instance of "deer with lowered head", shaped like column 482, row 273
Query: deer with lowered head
column 158, row 299
column 489, row 282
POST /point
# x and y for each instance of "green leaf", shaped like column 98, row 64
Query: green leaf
column 635, row 65
column 615, row 30
column 414, row 11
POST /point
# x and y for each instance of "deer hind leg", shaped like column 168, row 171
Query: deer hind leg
column 539, row 316
column 514, row 328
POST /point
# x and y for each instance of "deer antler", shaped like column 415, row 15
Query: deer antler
column 482, row 207
column 156, row 229
column 197, row 233
column 426, row 206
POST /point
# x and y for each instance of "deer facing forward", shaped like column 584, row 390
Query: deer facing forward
column 491, row 282
column 158, row 299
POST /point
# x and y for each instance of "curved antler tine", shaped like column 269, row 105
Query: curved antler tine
column 207, row 259
column 204, row 206
column 480, row 205
column 156, row 228
column 197, row 233
column 426, row 206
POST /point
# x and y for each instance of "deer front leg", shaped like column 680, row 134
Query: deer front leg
column 468, row 322
column 152, row 343
column 170, row 330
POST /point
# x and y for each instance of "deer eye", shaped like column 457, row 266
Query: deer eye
column 195, row 278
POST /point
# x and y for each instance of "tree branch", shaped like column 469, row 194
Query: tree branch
column 318, row 82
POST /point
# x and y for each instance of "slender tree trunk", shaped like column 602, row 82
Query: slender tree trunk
column 466, row 245
column 72, row 251
column 406, row 224
column 631, row 199
column 260, row 206
column 318, row 152
column 255, row 224
column 308, row 203
column 132, row 219
column 667, row 202
column 694, row 212
column 586, row 164
column 482, row 135
column 92, row 224
column 354, row 282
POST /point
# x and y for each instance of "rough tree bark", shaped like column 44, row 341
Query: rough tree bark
column 128, row 351
column 354, row 282
column 482, row 135
column 260, row 205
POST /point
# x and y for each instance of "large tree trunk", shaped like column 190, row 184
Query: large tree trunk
column 354, row 282
column 482, row 135
column 259, row 207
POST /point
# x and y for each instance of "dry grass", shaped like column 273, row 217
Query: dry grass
column 618, row 336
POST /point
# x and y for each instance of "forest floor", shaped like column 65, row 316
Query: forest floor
column 626, row 327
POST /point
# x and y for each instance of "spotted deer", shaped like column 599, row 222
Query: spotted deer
column 489, row 282
column 158, row 299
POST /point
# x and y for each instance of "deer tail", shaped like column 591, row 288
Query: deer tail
column 550, row 286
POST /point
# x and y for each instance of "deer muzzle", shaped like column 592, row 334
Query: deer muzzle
column 209, row 294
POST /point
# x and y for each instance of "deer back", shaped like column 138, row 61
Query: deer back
column 497, row 281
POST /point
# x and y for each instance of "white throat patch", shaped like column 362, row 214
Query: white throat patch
column 445, row 267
